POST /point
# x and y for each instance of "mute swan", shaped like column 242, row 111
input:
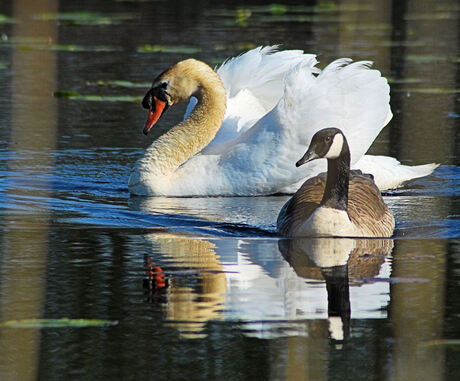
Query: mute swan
column 343, row 204
column 247, row 122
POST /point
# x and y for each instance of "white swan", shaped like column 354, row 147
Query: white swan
column 247, row 124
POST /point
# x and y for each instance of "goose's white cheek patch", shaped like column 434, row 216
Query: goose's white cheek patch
column 336, row 147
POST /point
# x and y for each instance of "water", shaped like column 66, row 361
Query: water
column 202, row 288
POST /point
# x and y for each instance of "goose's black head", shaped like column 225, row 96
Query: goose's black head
column 328, row 143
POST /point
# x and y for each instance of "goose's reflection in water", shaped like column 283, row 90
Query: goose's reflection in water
column 337, row 261
column 266, row 286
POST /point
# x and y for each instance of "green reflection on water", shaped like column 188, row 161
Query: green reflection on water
column 5, row 19
column 168, row 49
column 84, row 18
column 120, row 83
column 26, row 43
column 57, row 323
column 95, row 98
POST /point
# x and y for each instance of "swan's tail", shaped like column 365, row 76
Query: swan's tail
column 389, row 173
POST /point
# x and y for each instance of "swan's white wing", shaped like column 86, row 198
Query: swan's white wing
column 346, row 95
column 254, row 82
column 260, row 70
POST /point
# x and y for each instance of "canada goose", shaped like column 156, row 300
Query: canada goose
column 341, row 203
column 248, row 120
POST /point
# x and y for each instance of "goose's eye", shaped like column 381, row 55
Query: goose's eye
column 328, row 138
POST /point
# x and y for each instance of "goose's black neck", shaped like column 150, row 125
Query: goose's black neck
column 338, row 175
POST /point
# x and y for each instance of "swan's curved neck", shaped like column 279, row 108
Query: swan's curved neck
column 338, row 175
column 189, row 137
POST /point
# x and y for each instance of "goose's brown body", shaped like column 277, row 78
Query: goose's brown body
column 366, row 209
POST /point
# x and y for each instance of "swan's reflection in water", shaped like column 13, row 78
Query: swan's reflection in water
column 268, row 287
column 190, row 285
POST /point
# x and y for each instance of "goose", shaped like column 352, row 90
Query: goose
column 247, row 121
column 339, row 204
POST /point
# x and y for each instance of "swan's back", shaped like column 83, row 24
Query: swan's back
column 366, row 209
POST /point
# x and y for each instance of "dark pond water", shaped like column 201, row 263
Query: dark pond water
column 202, row 288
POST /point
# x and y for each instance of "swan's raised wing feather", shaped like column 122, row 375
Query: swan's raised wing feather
column 347, row 95
column 261, row 70
column 254, row 82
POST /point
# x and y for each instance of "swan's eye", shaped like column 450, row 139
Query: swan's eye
column 160, row 91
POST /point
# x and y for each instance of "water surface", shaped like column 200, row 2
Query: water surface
column 203, row 288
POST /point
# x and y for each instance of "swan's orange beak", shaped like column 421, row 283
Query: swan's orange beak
column 155, row 113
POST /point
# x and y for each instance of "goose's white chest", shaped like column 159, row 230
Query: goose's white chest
column 327, row 222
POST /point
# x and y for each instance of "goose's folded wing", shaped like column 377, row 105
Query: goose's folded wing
column 301, row 205
column 366, row 208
